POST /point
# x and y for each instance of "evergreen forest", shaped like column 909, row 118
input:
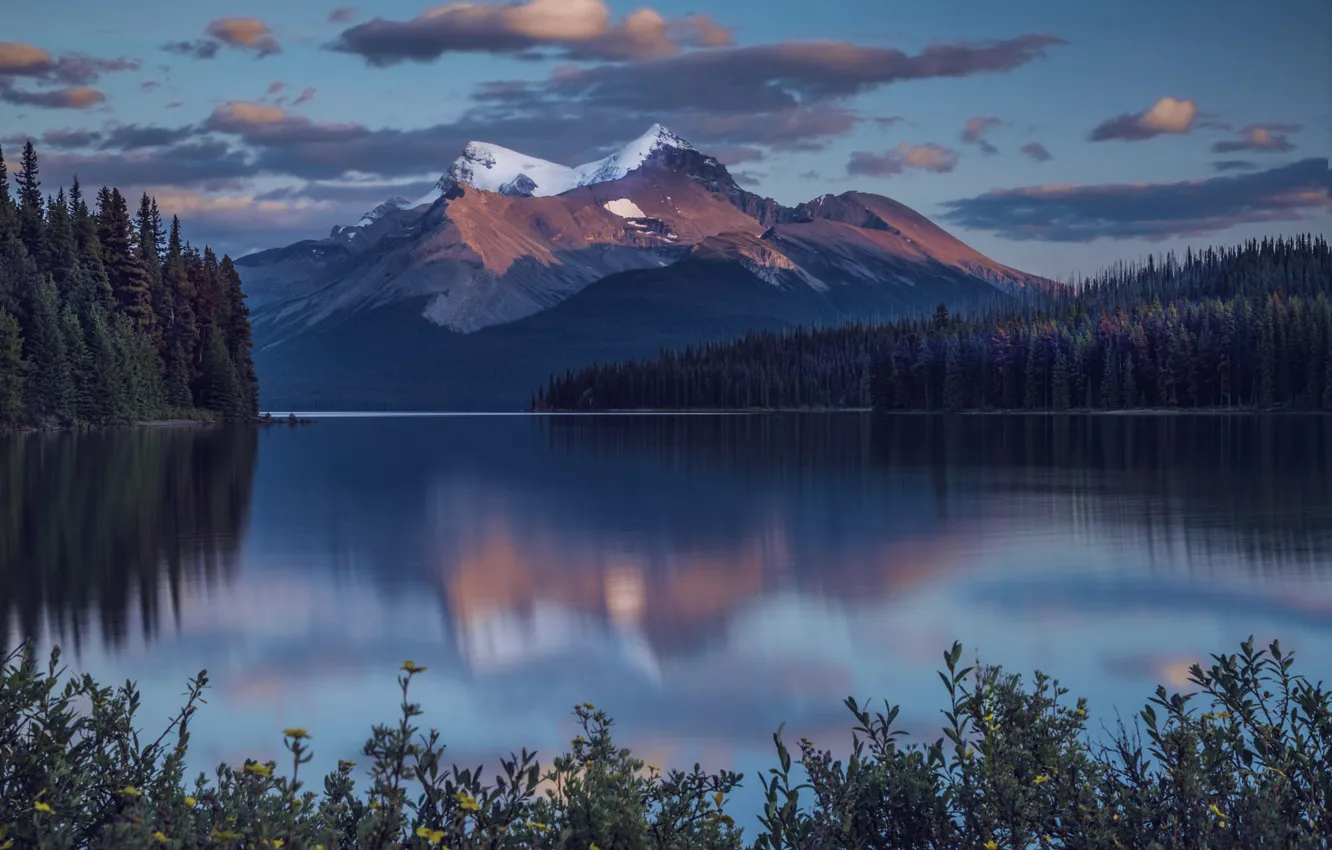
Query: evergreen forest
column 1244, row 327
column 110, row 317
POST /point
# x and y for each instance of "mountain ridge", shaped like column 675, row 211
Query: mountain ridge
column 509, row 237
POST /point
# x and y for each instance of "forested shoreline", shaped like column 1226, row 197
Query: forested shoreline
column 111, row 318
column 1248, row 327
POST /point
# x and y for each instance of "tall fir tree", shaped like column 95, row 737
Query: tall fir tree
column 31, row 206
column 60, row 253
column 7, row 222
column 91, row 286
column 49, row 389
column 238, row 336
column 11, row 372
column 121, row 255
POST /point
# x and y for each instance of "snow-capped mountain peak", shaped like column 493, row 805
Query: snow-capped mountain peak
column 391, row 205
column 493, row 168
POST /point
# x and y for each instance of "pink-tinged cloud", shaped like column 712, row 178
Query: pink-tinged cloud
column 925, row 157
column 72, row 97
column 249, row 34
column 1036, row 151
column 1074, row 213
column 27, row 60
column 1167, row 115
column 577, row 28
column 1260, row 137
column 307, row 94
column 975, row 130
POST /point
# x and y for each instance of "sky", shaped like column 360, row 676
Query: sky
column 1055, row 137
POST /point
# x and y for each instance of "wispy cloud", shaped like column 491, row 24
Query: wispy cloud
column 925, row 157
column 1167, row 115
column 1036, row 151
column 1073, row 213
column 976, row 128
column 1260, row 137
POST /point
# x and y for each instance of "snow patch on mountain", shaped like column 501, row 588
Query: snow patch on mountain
column 492, row 168
column 391, row 205
column 624, row 208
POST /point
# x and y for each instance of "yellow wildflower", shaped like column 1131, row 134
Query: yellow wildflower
column 296, row 733
column 537, row 825
column 593, row 847
column 1081, row 712
column 991, row 845
column 254, row 768
column 1214, row 810
column 434, row 836
column 989, row 718
column 411, row 667
column 190, row 801
column 223, row 835
column 969, row 753
column 130, row 791
column 1221, row 824
column 1041, row 779
column 275, row 842
column 654, row 768
column 42, row 807
column 589, row 706
column 8, row 844
column 160, row 836
column 467, row 802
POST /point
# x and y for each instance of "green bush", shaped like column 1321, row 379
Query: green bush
column 1016, row 768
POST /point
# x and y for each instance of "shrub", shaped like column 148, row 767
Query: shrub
column 1015, row 768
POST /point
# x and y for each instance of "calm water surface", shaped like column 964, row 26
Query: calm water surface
column 704, row 578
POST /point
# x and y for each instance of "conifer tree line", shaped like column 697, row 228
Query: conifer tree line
column 108, row 316
column 1242, row 327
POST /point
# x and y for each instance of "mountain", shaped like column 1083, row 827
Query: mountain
column 513, row 267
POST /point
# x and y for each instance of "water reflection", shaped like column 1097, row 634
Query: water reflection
column 107, row 522
column 704, row 578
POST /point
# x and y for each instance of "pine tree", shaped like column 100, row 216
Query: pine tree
column 238, row 336
column 1111, row 398
column 11, row 372
column 110, row 394
column 7, row 222
column 48, row 387
column 61, row 255
column 82, row 388
column 222, row 391
column 91, row 286
column 130, row 282
column 1060, row 391
column 30, row 203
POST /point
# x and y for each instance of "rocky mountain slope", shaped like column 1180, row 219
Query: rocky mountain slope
column 513, row 267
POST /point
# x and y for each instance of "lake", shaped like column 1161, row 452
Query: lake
column 703, row 578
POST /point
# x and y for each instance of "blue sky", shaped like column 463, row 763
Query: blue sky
column 799, row 99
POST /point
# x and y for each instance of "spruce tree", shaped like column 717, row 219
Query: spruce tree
column 60, row 255
column 82, row 387
column 48, row 387
column 91, row 286
column 11, row 372
column 30, row 204
column 125, row 269
column 7, row 222
column 221, row 390
column 238, row 336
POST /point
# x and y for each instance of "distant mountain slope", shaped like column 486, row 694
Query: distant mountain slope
column 517, row 266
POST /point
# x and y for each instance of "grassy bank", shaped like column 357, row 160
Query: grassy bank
column 1241, row 763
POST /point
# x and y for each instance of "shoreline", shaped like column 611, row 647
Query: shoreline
column 1144, row 411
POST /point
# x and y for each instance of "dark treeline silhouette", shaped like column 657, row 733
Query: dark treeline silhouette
column 1249, row 326
column 111, row 521
column 108, row 317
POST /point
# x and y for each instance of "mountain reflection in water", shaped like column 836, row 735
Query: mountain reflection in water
column 704, row 578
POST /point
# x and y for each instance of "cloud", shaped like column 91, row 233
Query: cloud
column 202, row 48
column 1037, row 151
column 1167, row 115
column 342, row 15
column 736, row 154
column 58, row 139
column 18, row 59
column 128, row 137
column 275, row 87
column 975, row 130
column 578, row 28
column 307, row 94
column 249, row 34
column 149, row 85
column 888, row 120
column 748, row 178
column 1074, row 213
column 1234, row 165
column 926, row 157
column 769, row 77
column 810, row 175
column 1260, row 137
column 71, row 97
column 210, row 163
column 360, row 194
